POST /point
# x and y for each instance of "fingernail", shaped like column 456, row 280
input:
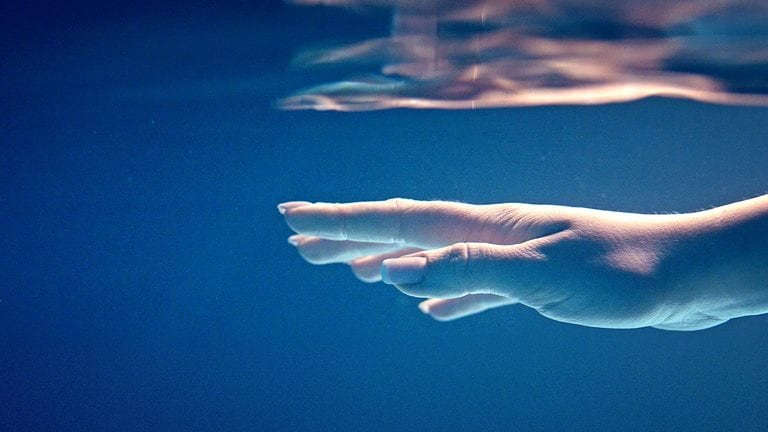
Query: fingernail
column 294, row 240
column 284, row 207
column 424, row 307
column 409, row 270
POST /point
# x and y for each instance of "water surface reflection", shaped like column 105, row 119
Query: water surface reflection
column 492, row 53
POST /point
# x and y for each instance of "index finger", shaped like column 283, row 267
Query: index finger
column 423, row 224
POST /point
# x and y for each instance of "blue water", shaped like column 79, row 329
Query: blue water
column 146, row 284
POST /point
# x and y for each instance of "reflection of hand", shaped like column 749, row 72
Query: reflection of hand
column 583, row 266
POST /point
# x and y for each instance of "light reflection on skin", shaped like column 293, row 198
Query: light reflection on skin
column 494, row 53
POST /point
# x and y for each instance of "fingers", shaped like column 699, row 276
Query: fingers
column 368, row 268
column 423, row 224
column 321, row 251
column 512, row 271
column 364, row 258
column 451, row 309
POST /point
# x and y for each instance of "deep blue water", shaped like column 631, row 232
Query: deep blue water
column 146, row 284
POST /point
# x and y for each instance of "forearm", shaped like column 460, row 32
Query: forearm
column 725, row 257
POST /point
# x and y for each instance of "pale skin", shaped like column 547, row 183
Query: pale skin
column 583, row 266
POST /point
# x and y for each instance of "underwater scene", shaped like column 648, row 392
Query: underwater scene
column 384, row 215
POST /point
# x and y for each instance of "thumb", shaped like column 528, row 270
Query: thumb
column 466, row 268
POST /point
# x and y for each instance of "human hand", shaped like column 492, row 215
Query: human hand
column 582, row 266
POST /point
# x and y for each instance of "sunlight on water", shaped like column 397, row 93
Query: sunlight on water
column 493, row 53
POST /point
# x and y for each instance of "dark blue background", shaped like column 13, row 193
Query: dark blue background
column 145, row 281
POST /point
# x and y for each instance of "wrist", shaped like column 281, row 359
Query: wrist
column 720, row 264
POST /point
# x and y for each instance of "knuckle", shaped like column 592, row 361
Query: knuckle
column 399, row 204
column 340, row 220
column 458, row 258
column 399, row 208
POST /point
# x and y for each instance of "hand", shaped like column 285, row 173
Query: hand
column 582, row 266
